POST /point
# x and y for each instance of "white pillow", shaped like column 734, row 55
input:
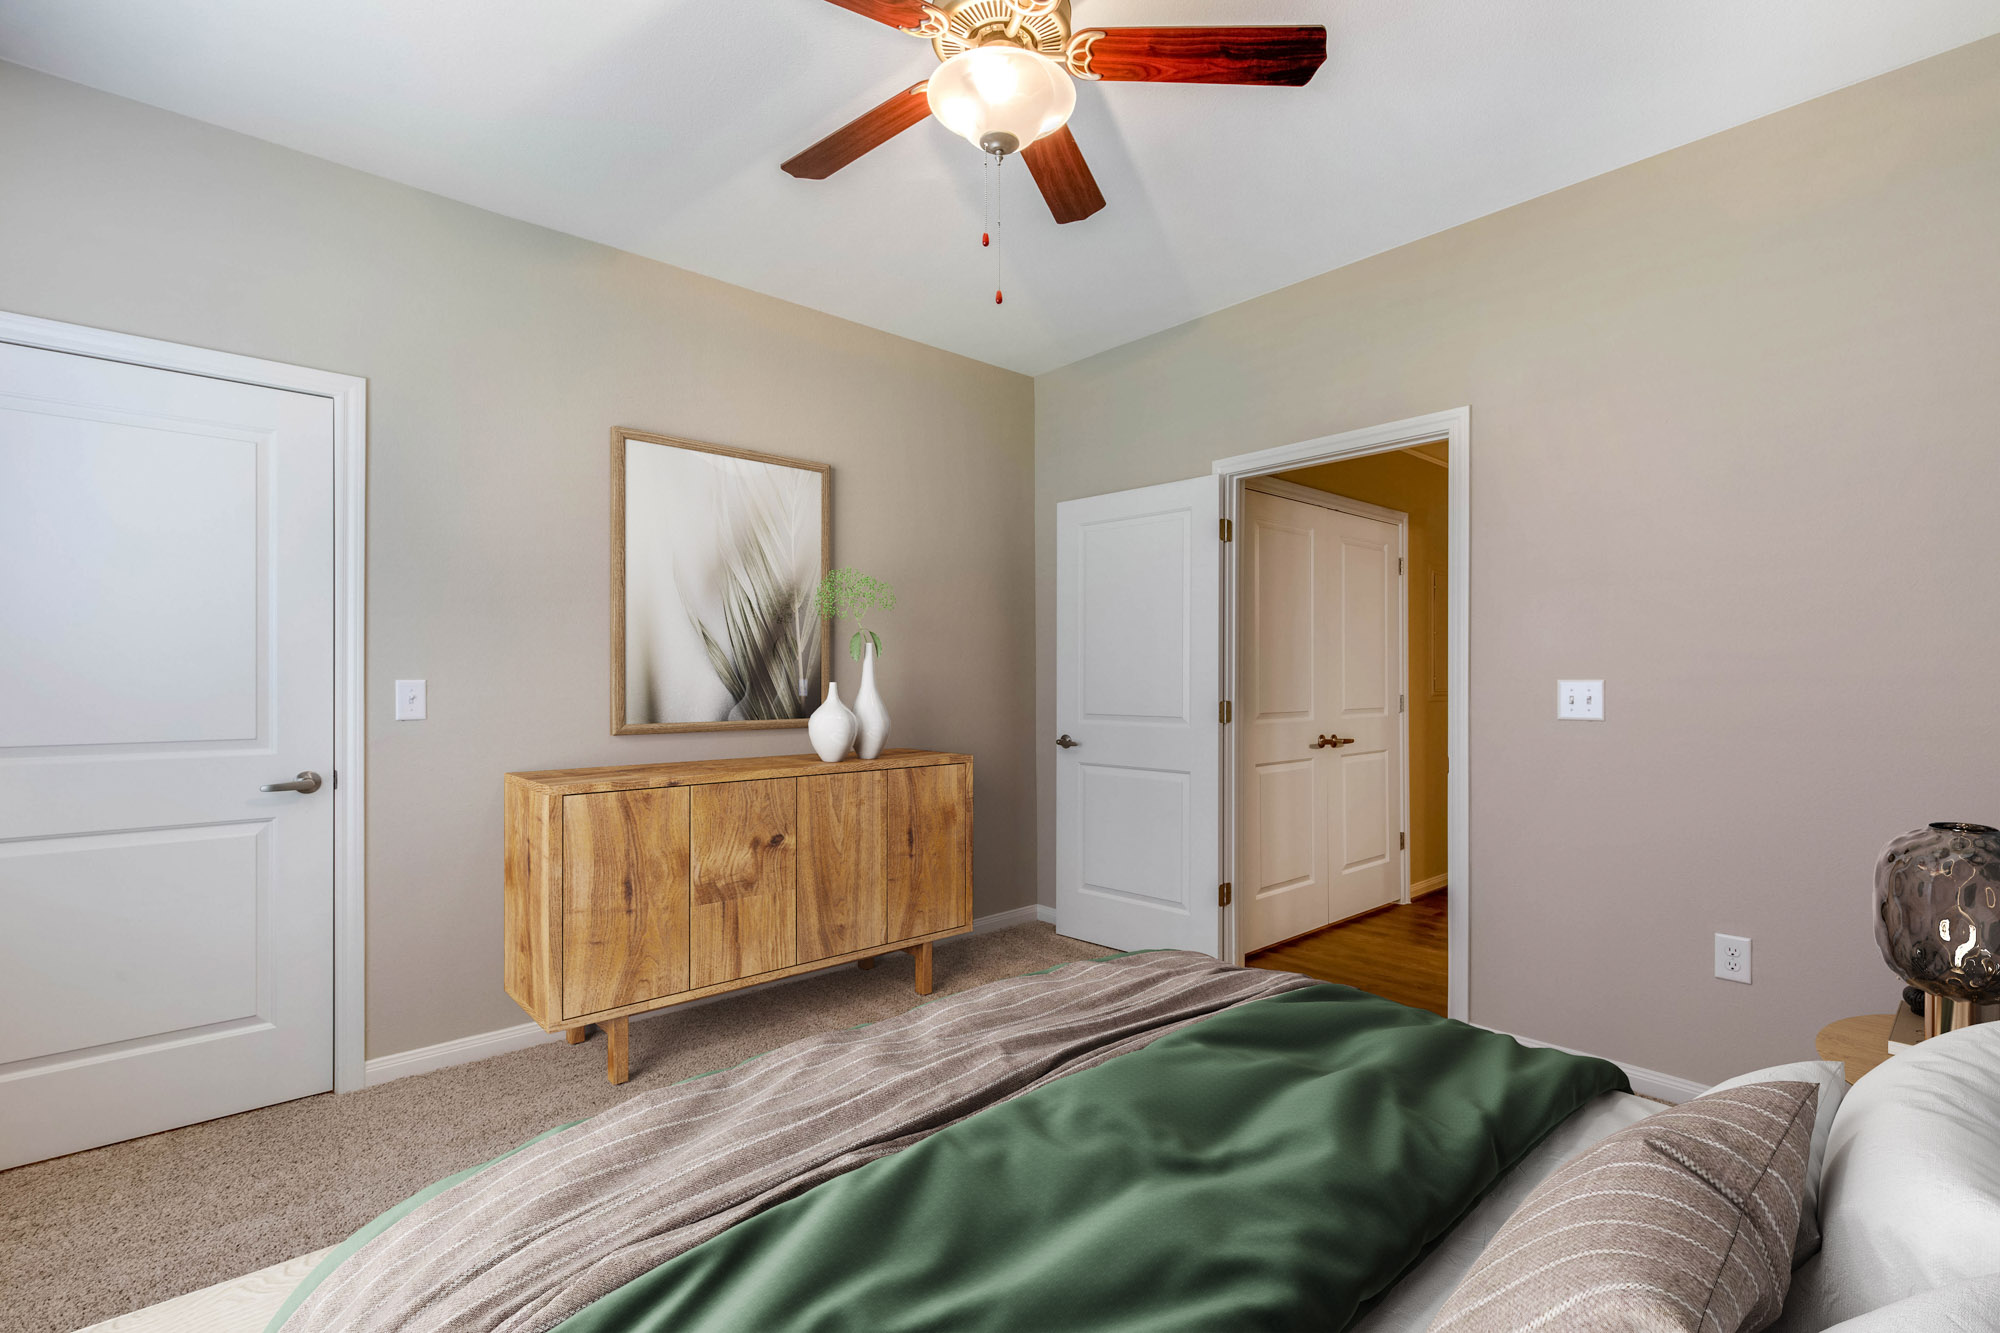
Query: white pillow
column 1910, row 1195
column 1962, row 1307
column 1832, row 1082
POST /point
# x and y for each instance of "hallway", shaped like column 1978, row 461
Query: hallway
column 1397, row 952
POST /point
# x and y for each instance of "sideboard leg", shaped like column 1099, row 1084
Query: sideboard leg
column 922, row 953
column 865, row 964
column 576, row 1036
column 615, row 1034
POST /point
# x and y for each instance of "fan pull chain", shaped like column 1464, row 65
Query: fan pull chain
column 999, row 162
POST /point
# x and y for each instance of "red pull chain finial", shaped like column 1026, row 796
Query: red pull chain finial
column 996, row 298
column 986, row 238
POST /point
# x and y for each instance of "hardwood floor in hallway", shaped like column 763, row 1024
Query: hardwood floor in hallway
column 1398, row 953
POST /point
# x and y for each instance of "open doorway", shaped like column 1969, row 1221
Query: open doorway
column 1343, row 668
column 1346, row 825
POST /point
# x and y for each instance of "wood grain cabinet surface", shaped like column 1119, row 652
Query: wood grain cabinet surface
column 635, row 888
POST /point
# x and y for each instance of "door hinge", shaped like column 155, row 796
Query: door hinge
column 1399, row 564
column 1222, row 894
column 1228, row 530
column 336, row 779
column 1222, row 712
column 1402, row 703
column 1402, row 842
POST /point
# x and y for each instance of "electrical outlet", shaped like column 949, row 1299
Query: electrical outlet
column 410, row 701
column 1732, row 958
column 1580, row 700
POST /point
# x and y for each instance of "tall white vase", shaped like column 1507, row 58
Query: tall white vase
column 869, row 713
column 831, row 728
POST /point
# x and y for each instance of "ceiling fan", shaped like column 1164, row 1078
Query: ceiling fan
column 1005, row 83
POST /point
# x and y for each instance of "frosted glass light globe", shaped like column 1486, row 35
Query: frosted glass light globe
column 1001, row 98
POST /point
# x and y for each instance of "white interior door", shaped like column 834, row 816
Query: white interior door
column 166, row 649
column 1137, row 653
column 1320, row 774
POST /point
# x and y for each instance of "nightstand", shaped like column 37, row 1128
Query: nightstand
column 1858, row 1043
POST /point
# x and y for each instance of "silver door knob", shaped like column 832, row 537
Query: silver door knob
column 1067, row 744
column 1332, row 742
column 305, row 784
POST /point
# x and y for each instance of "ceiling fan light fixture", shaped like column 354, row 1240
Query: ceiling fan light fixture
column 1001, row 98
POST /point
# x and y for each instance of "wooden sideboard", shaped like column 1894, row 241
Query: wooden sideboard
column 635, row 888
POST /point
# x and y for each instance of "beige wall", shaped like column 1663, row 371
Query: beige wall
column 1734, row 450
column 1397, row 480
column 498, row 357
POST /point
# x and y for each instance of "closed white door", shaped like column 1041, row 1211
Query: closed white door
column 1139, row 765
column 166, row 649
column 1320, row 774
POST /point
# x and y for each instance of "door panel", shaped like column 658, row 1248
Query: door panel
column 1364, row 610
column 625, row 898
column 924, row 859
column 1364, row 806
column 1317, row 824
column 1132, row 636
column 159, row 555
column 1280, row 559
column 167, row 611
column 1133, row 825
column 144, row 932
column 841, row 880
column 1137, row 828
column 743, row 846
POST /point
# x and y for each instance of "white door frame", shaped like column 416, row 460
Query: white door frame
column 349, row 396
column 1291, row 490
column 1454, row 427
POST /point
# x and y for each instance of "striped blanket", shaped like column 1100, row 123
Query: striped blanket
column 540, row 1235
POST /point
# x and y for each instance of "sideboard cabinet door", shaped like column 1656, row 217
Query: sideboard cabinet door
column 743, row 837
column 625, row 898
column 884, row 858
column 924, row 817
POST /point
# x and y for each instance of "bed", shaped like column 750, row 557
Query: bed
column 1151, row 1141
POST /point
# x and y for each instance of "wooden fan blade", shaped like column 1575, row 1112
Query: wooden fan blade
column 1058, row 167
column 895, row 13
column 1286, row 56
column 860, row 135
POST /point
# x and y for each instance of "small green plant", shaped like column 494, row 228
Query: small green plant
column 849, row 594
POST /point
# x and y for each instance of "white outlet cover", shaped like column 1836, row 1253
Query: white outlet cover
column 411, row 704
column 1732, row 958
column 1580, row 700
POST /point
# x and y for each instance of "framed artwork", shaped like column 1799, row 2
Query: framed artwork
column 715, row 554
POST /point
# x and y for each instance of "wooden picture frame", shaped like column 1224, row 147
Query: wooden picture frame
column 656, row 676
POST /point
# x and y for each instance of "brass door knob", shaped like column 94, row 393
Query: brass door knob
column 1332, row 742
column 1066, row 743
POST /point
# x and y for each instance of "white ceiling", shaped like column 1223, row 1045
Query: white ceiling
column 657, row 126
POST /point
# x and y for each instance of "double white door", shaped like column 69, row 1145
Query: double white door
column 1320, row 771
column 166, row 651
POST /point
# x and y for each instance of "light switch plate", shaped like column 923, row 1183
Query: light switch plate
column 410, row 701
column 1580, row 700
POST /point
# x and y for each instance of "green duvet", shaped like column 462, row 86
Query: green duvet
column 1274, row 1166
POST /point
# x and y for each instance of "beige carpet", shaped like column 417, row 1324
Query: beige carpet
column 95, row 1234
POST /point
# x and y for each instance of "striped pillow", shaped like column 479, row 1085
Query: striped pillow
column 1685, row 1221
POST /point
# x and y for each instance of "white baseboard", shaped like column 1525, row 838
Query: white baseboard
column 463, row 1050
column 1424, row 886
column 1646, row 1082
column 521, row 1036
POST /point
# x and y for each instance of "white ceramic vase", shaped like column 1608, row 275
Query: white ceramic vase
column 831, row 728
column 869, row 714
